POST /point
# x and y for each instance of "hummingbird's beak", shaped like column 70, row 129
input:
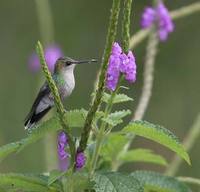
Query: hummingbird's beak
column 85, row 61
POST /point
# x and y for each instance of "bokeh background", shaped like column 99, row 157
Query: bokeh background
column 80, row 28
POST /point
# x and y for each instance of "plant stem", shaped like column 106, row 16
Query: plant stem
column 126, row 25
column 57, row 101
column 189, row 180
column 188, row 143
column 185, row 11
column 112, row 29
column 101, row 134
column 45, row 22
column 148, row 76
column 176, row 14
column 137, row 38
column 125, row 45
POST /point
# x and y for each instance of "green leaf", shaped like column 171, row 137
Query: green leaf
column 55, row 175
column 115, row 118
column 119, row 98
column 75, row 118
column 158, row 134
column 108, row 150
column 8, row 149
column 153, row 181
column 116, row 182
column 35, row 134
column 142, row 155
column 79, row 181
column 40, row 131
column 26, row 183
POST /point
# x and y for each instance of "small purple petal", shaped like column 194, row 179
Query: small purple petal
column 124, row 63
column 128, row 66
column 113, row 72
column 62, row 154
column 131, row 69
column 163, row 34
column 63, row 137
column 116, row 49
column 80, row 160
column 148, row 17
column 165, row 24
column 63, row 164
column 51, row 52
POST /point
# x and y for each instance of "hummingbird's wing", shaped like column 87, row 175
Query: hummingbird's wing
column 42, row 104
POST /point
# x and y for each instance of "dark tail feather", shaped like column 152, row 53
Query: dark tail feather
column 33, row 118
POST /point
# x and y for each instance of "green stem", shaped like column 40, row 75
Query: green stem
column 189, row 180
column 45, row 21
column 125, row 45
column 57, row 101
column 176, row 14
column 112, row 29
column 101, row 133
column 188, row 143
column 126, row 25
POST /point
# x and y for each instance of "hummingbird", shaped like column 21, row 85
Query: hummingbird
column 63, row 76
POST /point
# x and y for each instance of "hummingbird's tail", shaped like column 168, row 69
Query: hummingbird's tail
column 32, row 118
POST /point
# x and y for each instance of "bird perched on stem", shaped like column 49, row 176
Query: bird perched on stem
column 63, row 76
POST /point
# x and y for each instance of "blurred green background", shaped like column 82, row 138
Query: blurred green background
column 80, row 28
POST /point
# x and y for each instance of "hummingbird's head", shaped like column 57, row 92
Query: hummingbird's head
column 67, row 63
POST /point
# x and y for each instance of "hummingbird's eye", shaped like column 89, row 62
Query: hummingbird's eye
column 68, row 63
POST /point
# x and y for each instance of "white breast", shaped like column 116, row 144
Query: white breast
column 69, row 85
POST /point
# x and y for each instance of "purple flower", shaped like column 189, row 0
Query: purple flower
column 80, row 160
column 161, row 17
column 51, row 52
column 62, row 154
column 130, row 68
column 113, row 67
column 120, row 62
column 113, row 73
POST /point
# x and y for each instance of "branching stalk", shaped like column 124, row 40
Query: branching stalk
column 185, row 11
column 148, row 76
column 112, row 29
column 45, row 21
column 188, row 143
column 189, row 180
column 176, row 14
